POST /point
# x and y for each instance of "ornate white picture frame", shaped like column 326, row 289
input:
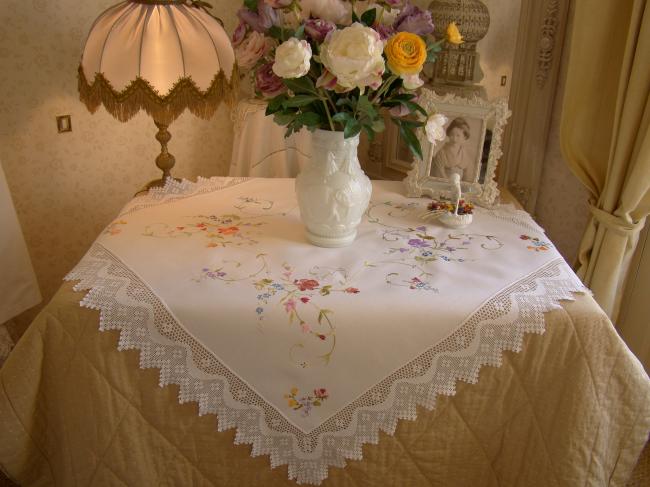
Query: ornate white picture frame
column 472, row 148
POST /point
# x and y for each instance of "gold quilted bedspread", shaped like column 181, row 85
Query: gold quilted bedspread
column 572, row 409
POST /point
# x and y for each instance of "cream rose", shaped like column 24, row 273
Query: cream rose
column 292, row 58
column 252, row 49
column 435, row 128
column 412, row 81
column 354, row 56
column 335, row 11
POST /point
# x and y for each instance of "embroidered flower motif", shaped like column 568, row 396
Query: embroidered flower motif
column 306, row 284
column 114, row 228
column 418, row 243
column 290, row 305
column 536, row 244
column 305, row 403
column 228, row 230
column 352, row 290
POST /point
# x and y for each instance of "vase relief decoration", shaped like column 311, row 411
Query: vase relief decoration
column 332, row 67
column 333, row 191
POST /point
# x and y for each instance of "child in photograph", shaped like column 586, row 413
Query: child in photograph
column 453, row 157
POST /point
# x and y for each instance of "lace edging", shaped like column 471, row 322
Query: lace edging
column 128, row 305
column 508, row 212
column 174, row 190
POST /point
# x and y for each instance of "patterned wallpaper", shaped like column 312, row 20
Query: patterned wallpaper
column 66, row 187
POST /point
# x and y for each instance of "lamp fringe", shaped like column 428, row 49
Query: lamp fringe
column 140, row 95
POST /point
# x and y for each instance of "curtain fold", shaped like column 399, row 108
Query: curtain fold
column 605, row 136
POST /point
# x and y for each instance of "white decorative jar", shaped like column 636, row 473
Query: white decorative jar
column 333, row 191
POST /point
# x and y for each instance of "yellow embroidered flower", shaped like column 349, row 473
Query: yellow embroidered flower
column 453, row 34
column 406, row 53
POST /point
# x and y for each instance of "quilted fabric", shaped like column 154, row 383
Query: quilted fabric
column 572, row 409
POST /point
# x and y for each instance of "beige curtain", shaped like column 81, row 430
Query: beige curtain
column 605, row 136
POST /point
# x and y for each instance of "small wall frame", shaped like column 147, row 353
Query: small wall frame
column 472, row 148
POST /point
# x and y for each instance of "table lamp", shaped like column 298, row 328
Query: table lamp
column 160, row 56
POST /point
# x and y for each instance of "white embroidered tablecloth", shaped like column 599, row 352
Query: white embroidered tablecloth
column 309, row 352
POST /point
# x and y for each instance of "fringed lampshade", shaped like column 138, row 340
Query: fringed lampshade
column 160, row 56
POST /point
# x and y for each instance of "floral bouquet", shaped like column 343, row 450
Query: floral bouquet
column 336, row 64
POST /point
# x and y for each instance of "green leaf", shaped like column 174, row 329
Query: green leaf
column 251, row 5
column 355, row 18
column 414, row 107
column 364, row 106
column 352, row 128
column 403, row 96
column 411, row 140
column 378, row 125
column 299, row 101
column 322, row 314
column 300, row 85
column 284, row 118
column 310, row 119
column 275, row 104
column 300, row 32
column 368, row 17
column 280, row 33
column 325, row 291
column 342, row 117
column 412, row 123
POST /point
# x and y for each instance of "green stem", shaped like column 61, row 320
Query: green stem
column 384, row 88
column 329, row 117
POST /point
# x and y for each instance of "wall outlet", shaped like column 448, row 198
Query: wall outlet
column 64, row 123
column 504, row 80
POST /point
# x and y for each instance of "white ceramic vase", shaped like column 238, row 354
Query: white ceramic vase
column 333, row 191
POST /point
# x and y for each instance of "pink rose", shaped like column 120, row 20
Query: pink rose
column 239, row 34
column 267, row 82
column 317, row 29
column 252, row 49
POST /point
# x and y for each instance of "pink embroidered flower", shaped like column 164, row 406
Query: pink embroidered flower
column 306, row 284
column 290, row 305
column 321, row 393
column 304, row 327
column 352, row 290
column 322, row 337
column 304, row 299
column 524, row 237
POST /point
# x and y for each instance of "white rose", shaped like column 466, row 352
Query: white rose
column 335, row 11
column 412, row 81
column 354, row 56
column 252, row 49
column 435, row 128
column 292, row 58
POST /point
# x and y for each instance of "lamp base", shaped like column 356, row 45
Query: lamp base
column 165, row 161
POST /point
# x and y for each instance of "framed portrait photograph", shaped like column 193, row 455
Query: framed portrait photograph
column 471, row 148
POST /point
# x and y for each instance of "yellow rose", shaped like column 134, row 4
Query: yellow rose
column 453, row 34
column 406, row 53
